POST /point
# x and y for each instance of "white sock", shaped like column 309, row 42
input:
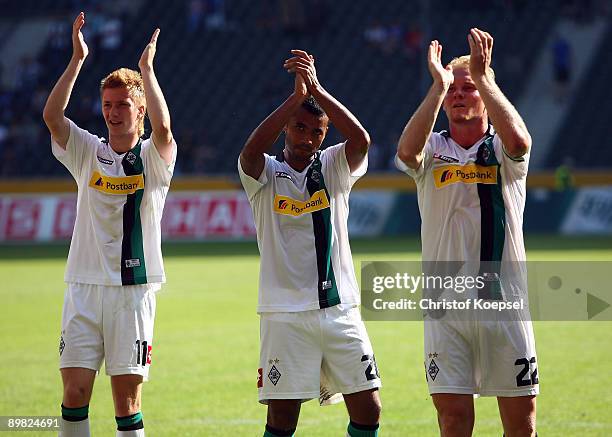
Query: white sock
column 74, row 429
column 135, row 433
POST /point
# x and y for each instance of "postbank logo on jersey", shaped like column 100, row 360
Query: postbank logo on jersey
column 287, row 206
column 465, row 174
column 116, row 185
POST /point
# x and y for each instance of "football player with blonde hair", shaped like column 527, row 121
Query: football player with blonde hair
column 115, row 263
column 471, row 185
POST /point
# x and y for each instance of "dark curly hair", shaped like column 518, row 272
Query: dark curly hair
column 312, row 106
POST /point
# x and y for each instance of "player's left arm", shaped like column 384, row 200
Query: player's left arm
column 159, row 115
column 506, row 120
column 357, row 138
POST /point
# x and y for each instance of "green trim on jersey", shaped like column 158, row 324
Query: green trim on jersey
column 133, row 266
column 492, row 222
column 519, row 159
column 322, row 227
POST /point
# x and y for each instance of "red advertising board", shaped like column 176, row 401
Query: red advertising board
column 187, row 216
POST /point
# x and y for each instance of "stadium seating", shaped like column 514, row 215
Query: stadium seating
column 221, row 80
column 581, row 141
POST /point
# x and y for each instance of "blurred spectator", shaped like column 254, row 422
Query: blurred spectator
column 215, row 14
column 59, row 36
column 564, row 179
column 4, row 133
column 375, row 34
column 391, row 38
column 292, row 16
column 394, row 37
column 111, row 35
column 375, row 157
column 27, row 74
column 267, row 16
column 195, row 15
column 185, row 159
column 58, row 47
column 413, row 43
column 562, row 60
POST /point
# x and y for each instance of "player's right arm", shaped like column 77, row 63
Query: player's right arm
column 53, row 114
column 263, row 137
column 419, row 127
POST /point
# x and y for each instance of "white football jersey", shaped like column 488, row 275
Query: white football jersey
column 471, row 200
column 117, row 233
column 302, row 232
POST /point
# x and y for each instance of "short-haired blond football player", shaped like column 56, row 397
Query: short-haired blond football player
column 115, row 262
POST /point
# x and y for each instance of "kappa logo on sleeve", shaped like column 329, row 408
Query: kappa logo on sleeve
column 445, row 158
column 283, row 175
column 116, row 185
column 104, row 160
column 287, row 206
column 465, row 174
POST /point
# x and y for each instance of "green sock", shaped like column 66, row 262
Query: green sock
column 130, row 423
column 357, row 430
column 75, row 414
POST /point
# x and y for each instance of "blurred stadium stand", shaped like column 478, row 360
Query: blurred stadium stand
column 582, row 141
column 219, row 63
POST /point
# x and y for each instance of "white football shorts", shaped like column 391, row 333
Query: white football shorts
column 110, row 323
column 486, row 358
column 315, row 354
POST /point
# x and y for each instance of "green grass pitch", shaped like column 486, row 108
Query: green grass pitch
column 205, row 354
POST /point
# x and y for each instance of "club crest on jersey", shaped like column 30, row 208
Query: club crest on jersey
column 445, row 158
column 315, row 175
column 131, row 158
column 288, row 206
column 433, row 370
column 464, row 174
column 283, row 175
column 116, row 185
column 274, row 375
column 486, row 153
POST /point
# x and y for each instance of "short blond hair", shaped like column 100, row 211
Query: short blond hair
column 464, row 62
column 132, row 80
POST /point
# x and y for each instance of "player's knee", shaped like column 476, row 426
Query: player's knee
column 524, row 429
column 127, row 405
column 76, row 395
column 373, row 410
column 455, row 417
column 364, row 407
column 283, row 414
column 127, row 394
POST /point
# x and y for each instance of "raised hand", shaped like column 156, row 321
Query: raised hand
column 79, row 48
column 148, row 54
column 300, row 86
column 302, row 64
column 481, row 51
column 440, row 74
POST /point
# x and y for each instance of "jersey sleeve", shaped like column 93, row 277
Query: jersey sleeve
column 79, row 148
column 251, row 185
column 155, row 165
column 514, row 168
column 334, row 158
column 428, row 152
